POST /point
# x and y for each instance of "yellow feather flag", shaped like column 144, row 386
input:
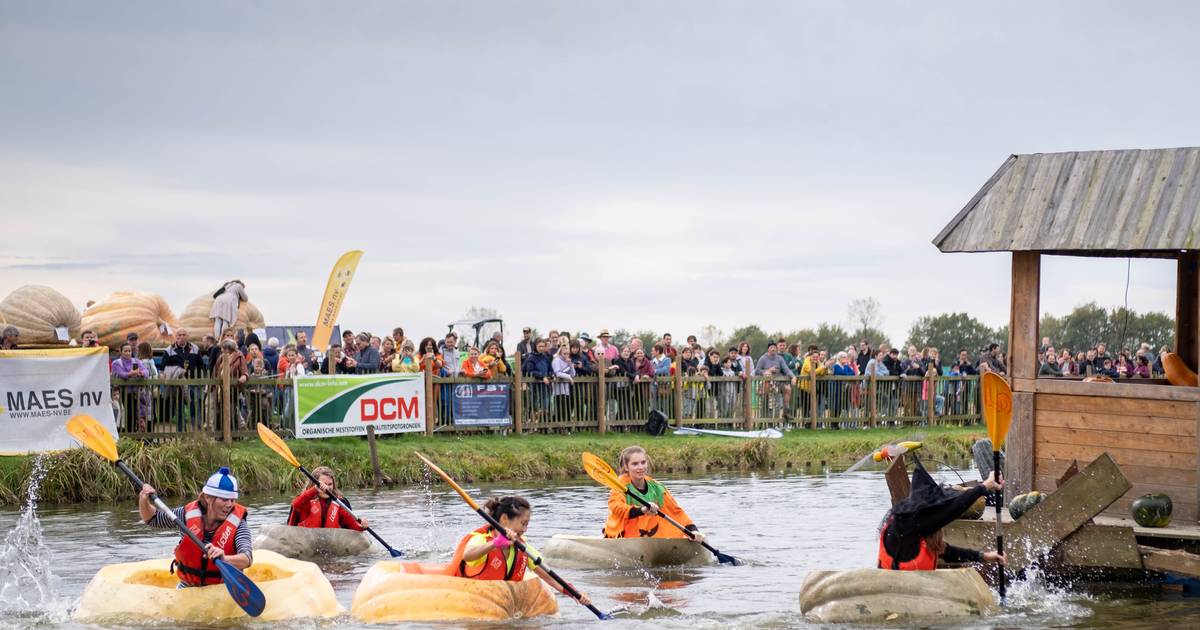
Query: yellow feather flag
column 335, row 292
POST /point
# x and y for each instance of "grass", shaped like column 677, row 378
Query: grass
column 180, row 468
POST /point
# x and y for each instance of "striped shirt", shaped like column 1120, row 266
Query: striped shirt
column 243, row 542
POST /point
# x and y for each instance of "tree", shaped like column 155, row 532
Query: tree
column 875, row 337
column 476, row 313
column 621, row 337
column 865, row 314
column 1081, row 329
column 649, row 338
column 825, row 336
column 751, row 334
column 709, row 336
column 950, row 332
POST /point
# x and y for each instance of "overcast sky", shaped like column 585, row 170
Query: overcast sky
column 660, row 165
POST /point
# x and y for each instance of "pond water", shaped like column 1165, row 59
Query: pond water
column 782, row 526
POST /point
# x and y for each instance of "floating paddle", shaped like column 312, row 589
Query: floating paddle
column 599, row 470
column 997, row 413
column 275, row 443
column 537, row 560
column 93, row 435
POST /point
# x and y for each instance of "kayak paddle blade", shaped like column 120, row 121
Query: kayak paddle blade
column 245, row 593
column 93, row 435
column 997, row 407
column 601, row 472
column 276, row 443
column 725, row 558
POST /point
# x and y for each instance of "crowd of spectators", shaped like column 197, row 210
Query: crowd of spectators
column 1096, row 361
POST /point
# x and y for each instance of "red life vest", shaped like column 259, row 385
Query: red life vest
column 192, row 563
column 318, row 516
column 495, row 564
column 925, row 560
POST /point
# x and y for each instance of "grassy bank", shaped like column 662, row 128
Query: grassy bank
column 180, row 468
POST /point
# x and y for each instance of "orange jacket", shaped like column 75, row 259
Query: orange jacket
column 619, row 524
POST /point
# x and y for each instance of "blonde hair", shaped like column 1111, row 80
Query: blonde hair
column 327, row 471
column 627, row 454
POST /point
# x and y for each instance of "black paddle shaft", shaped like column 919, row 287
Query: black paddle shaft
column 720, row 556
column 537, row 561
column 999, row 531
column 341, row 504
column 162, row 507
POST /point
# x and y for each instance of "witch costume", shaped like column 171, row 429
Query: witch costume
column 927, row 509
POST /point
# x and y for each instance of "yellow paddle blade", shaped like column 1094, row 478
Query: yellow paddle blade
column 276, row 443
column 598, row 469
column 997, row 407
column 93, row 435
column 462, row 493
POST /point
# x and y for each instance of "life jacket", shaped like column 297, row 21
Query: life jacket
column 926, row 560
column 619, row 525
column 495, row 564
column 319, row 516
column 191, row 561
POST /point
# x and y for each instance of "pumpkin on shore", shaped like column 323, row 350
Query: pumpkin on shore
column 37, row 312
column 124, row 312
column 195, row 317
column 1023, row 503
column 1178, row 373
column 1152, row 510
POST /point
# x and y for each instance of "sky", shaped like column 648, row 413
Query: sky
column 650, row 165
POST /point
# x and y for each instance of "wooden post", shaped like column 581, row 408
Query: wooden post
column 1187, row 308
column 226, row 407
column 677, row 390
column 812, row 400
column 931, row 396
column 430, row 402
column 601, row 395
column 747, row 408
column 872, row 404
column 1023, row 322
column 378, row 480
column 518, row 394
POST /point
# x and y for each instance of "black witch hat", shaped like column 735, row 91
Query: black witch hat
column 925, row 496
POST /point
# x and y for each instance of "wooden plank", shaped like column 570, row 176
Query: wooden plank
column 1071, row 471
column 1099, row 546
column 1019, row 446
column 1187, row 308
column 1117, row 439
column 1062, row 512
column 1149, row 425
column 1052, row 468
column 898, row 482
column 1023, row 319
column 1124, row 389
column 1067, row 452
column 1175, row 531
column 1171, row 561
column 1118, row 405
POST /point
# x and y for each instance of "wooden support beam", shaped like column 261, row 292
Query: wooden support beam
column 1023, row 321
column 1187, row 308
column 1018, row 447
column 898, row 482
column 1091, row 546
column 1171, row 561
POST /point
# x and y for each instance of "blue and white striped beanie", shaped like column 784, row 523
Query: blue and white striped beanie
column 222, row 485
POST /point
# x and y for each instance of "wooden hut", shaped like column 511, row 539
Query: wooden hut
column 1131, row 203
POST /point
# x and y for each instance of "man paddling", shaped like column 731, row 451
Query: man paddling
column 216, row 518
column 911, row 536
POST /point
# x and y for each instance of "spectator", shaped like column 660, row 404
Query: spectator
column 539, row 369
column 643, row 377
column 247, row 341
column 1050, row 365
column 1142, row 369
column 1123, row 366
column 996, row 360
column 429, row 351
column 181, row 359
column 258, row 396
column 1065, row 362
column 493, row 358
column 877, row 366
column 271, row 355
column 564, row 377
column 367, row 356
column 348, row 345
column 525, row 345
column 745, row 361
column 789, row 356
column 302, row 349
column 387, row 354
column 128, row 367
column 579, row 359
column 449, row 350
column 660, row 361
column 585, row 346
column 1045, row 345
column 252, row 352
column 1090, row 366
column 405, row 361
column 552, row 342
column 772, row 364
column 1101, row 355
column 498, row 339
column 343, row 364
column 892, row 361
column 473, row 367
column 233, row 363
column 88, row 339
column 1158, row 360
column 667, row 348
column 210, row 354
column 864, row 355
column 398, row 339
column 605, row 348
column 146, row 356
column 842, row 366
column 965, row 367
column 734, row 361
column 1107, row 369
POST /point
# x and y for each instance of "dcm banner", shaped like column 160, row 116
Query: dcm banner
column 41, row 389
column 331, row 406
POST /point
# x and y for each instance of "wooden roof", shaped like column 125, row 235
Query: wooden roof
column 1138, row 202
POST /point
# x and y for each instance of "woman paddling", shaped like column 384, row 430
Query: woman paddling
column 911, row 537
column 629, row 519
column 486, row 554
column 315, row 507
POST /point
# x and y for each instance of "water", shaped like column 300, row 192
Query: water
column 782, row 526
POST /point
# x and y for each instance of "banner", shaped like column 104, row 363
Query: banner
column 41, row 389
column 481, row 405
column 333, row 406
column 331, row 303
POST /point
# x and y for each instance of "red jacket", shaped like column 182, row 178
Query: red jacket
column 310, row 510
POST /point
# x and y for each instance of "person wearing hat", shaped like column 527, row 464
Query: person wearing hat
column 217, row 518
column 603, row 347
column 911, row 536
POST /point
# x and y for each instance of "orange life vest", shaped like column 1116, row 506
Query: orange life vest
column 620, row 525
column 318, row 516
column 191, row 561
column 926, row 560
column 495, row 565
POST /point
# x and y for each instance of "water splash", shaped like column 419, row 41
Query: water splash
column 27, row 584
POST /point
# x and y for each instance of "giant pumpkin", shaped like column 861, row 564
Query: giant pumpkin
column 124, row 312
column 1177, row 371
column 37, row 311
column 195, row 317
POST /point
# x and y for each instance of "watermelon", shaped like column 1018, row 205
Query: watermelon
column 1023, row 503
column 1152, row 510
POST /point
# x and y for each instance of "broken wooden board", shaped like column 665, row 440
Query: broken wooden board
column 1091, row 546
column 1171, row 561
column 1071, row 471
column 897, row 479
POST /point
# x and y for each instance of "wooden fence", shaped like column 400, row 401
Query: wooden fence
column 162, row 408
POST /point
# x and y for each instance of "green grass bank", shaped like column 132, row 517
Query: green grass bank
column 180, row 468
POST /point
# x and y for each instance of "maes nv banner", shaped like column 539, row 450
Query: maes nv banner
column 331, row 406
column 41, row 389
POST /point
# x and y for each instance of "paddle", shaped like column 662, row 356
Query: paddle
column 93, row 435
column 537, row 561
column 275, row 443
column 997, row 413
column 599, row 470
column 887, row 451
